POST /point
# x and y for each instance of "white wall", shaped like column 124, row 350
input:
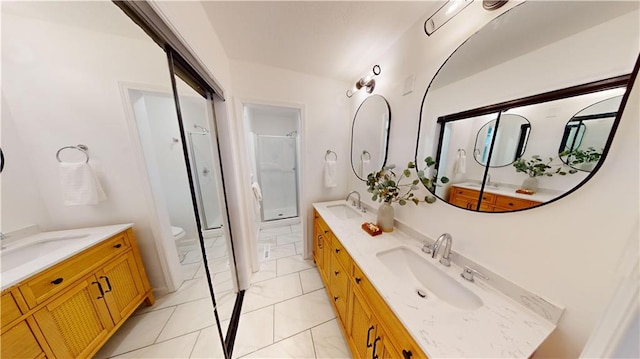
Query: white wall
column 569, row 264
column 325, row 123
column 81, row 103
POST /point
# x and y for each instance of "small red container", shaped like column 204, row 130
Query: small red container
column 371, row 228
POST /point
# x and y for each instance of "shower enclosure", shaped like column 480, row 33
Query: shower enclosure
column 206, row 188
column 276, row 165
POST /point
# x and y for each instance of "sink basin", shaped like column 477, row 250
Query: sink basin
column 416, row 269
column 343, row 211
column 19, row 255
column 478, row 185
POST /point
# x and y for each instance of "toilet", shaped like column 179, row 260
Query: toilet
column 177, row 233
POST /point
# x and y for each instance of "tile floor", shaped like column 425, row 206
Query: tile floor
column 286, row 312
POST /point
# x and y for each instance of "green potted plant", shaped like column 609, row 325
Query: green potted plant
column 387, row 187
column 585, row 158
column 537, row 167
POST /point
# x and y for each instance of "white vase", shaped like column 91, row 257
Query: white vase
column 530, row 183
column 385, row 217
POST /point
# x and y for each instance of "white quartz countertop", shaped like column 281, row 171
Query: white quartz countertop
column 542, row 195
column 500, row 328
column 45, row 249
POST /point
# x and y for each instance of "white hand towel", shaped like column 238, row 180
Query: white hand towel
column 364, row 167
column 80, row 185
column 460, row 166
column 257, row 192
column 330, row 174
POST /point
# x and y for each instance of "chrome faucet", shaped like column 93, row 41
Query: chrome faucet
column 354, row 203
column 448, row 240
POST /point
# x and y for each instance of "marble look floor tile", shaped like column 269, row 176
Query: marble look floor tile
column 179, row 347
column 282, row 239
column 296, row 228
column 311, row 280
column 329, row 342
column 267, row 271
column 298, row 346
column 278, row 252
column 271, row 291
column 255, row 331
column 208, row 344
column 208, row 242
column 189, row 317
column 218, row 265
column 189, row 270
column 276, row 230
column 223, row 282
column 188, row 247
column 217, row 250
column 137, row 332
column 301, row 313
column 224, row 303
column 293, row 264
column 190, row 290
column 299, row 248
column 194, row 256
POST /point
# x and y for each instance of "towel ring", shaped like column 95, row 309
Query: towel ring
column 81, row 148
column 326, row 156
column 462, row 150
column 363, row 154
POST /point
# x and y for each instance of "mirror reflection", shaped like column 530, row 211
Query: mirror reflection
column 548, row 78
column 586, row 134
column 509, row 140
column 370, row 135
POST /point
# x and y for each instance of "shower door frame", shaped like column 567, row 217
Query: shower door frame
column 295, row 172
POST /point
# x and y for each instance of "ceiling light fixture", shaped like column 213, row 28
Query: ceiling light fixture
column 444, row 14
column 493, row 4
column 367, row 82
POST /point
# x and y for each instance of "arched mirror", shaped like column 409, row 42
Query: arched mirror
column 509, row 140
column 370, row 136
column 586, row 133
column 541, row 62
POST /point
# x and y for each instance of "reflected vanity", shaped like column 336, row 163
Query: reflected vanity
column 526, row 111
column 370, row 136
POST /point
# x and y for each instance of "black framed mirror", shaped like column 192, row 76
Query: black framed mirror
column 370, row 136
column 546, row 77
column 509, row 140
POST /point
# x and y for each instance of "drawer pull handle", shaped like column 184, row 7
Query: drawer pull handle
column 358, row 280
column 511, row 204
column 118, row 245
column 57, row 281
column 407, row 354
column 336, row 272
column 375, row 343
column 335, row 299
column 100, row 288
column 106, row 279
column 325, row 232
column 337, row 250
column 369, row 336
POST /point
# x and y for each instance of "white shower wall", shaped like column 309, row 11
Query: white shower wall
column 277, row 173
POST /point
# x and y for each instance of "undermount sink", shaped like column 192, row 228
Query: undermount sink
column 416, row 269
column 13, row 257
column 478, row 185
column 343, row 211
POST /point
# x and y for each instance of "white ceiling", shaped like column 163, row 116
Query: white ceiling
column 335, row 39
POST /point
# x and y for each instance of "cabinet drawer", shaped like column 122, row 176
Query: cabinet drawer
column 19, row 342
column 339, row 251
column 339, row 278
column 512, row 203
column 464, row 192
column 42, row 286
column 10, row 310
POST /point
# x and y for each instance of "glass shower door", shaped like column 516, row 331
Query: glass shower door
column 203, row 166
column 277, row 176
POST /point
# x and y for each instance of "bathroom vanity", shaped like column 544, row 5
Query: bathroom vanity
column 65, row 293
column 394, row 301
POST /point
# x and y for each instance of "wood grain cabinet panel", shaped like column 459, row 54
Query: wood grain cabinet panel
column 19, row 342
column 9, row 309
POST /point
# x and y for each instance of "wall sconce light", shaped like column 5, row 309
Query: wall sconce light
column 444, row 14
column 367, row 82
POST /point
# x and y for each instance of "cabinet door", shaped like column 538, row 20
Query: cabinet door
column 361, row 330
column 19, row 342
column 122, row 286
column 76, row 322
column 318, row 246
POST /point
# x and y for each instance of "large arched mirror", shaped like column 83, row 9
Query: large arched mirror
column 370, row 136
column 547, row 62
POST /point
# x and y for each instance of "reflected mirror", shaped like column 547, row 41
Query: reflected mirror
column 370, row 136
column 586, row 133
column 505, row 73
column 509, row 140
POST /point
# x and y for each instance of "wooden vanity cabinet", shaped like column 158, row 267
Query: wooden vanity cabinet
column 371, row 328
column 79, row 303
column 17, row 339
column 491, row 202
